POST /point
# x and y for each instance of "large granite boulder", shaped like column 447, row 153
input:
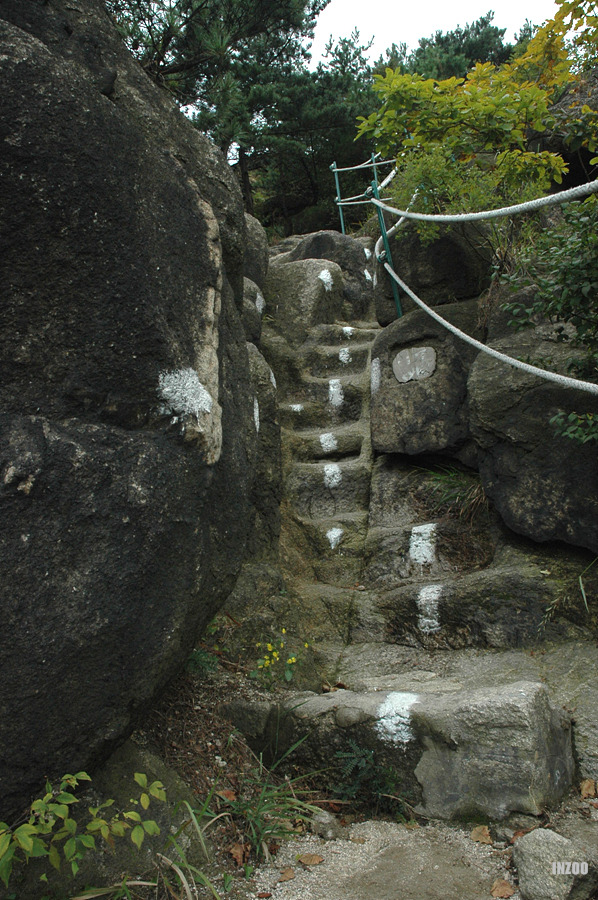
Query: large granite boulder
column 255, row 262
column 419, row 383
column 127, row 417
column 355, row 259
column 544, row 486
column 302, row 294
column 455, row 266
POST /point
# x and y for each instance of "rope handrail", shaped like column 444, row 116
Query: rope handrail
column 575, row 193
column 365, row 165
column 567, row 196
column 563, row 380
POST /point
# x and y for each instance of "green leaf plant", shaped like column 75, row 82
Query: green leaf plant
column 49, row 829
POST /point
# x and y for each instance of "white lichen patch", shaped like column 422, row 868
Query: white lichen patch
column 328, row 442
column 334, row 536
column 272, row 378
column 297, row 407
column 414, row 364
column 367, row 252
column 260, row 303
column 332, row 475
column 335, row 392
column 256, row 414
column 427, row 608
column 368, row 277
column 422, row 544
column 375, row 375
column 184, row 393
column 394, row 717
column 325, row 277
column 344, row 355
column 348, row 331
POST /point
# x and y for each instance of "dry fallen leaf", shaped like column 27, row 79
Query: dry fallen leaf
column 588, row 788
column 287, row 874
column 227, row 795
column 310, row 859
column 263, row 895
column 240, row 853
column 481, row 834
column 502, row 888
column 357, row 840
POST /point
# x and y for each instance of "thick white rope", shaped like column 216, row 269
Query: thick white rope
column 562, row 380
column 367, row 165
column 552, row 200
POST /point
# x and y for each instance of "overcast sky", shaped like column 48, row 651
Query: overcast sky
column 408, row 20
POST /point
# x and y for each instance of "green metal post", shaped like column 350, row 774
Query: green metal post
column 338, row 196
column 386, row 256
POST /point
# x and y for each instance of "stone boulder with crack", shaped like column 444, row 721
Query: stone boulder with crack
column 544, row 485
column 255, row 262
column 302, row 294
column 353, row 256
column 127, row 417
column 455, row 266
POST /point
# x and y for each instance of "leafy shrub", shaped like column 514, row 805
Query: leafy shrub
column 563, row 268
column 49, row 827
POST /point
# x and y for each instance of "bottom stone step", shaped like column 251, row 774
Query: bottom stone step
column 456, row 752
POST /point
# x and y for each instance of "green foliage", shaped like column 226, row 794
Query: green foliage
column 456, row 492
column 201, row 663
column 454, row 53
column 562, row 267
column 267, row 808
column 277, row 661
column 368, row 783
column 50, row 828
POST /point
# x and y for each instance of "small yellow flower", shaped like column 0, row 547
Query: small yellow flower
column 284, row 631
column 258, row 645
column 269, row 647
column 266, row 663
column 306, row 645
column 275, row 654
column 281, row 645
column 290, row 661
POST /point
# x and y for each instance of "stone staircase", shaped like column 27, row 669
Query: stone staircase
column 384, row 588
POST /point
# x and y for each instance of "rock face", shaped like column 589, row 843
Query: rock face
column 419, row 383
column 127, row 421
column 544, row 489
column 455, row 266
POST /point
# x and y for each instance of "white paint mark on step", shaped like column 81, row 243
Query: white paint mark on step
column 272, row 378
column 344, row 355
column 334, row 536
column 422, row 544
column 368, row 253
column 375, row 376
column 332, row 475
column 326, row 279
column 256, row 414
column 184, row 392
column 297, row 407
column 368, row 277
column 335, row 392
column 427, row 607
column 329, row 442
column 348, row 331
column 394, row 717
column 260, row 303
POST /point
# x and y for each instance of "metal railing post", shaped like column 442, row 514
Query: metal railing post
column 338, row 196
